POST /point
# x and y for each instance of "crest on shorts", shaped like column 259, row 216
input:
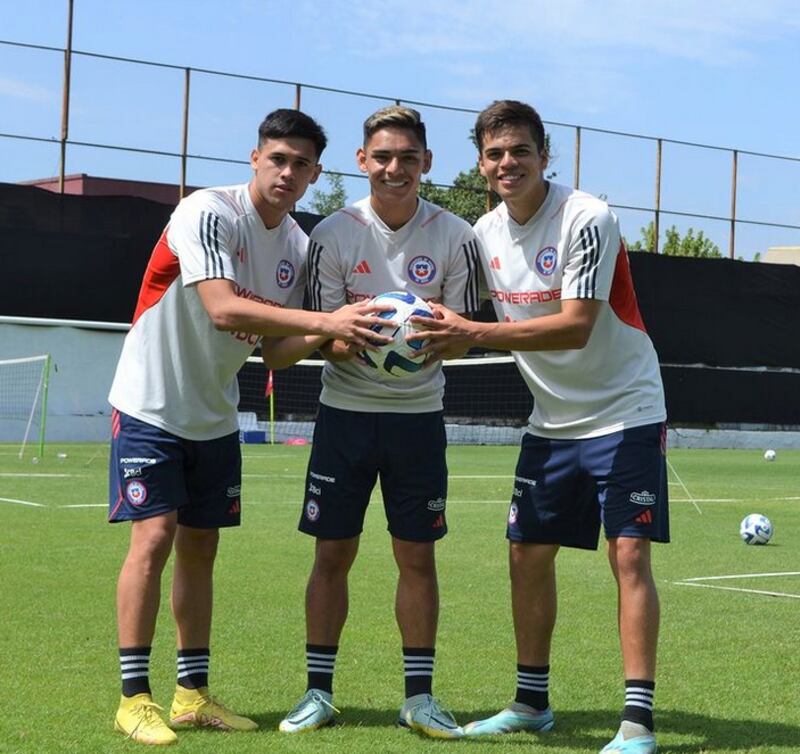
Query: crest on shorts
column 136, row 492
column 546, row 260
column 513, row 512
column 312, row 510
column 422, row 269
column 284, row 275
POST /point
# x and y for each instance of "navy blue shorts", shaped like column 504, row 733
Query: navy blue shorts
column 564, row 489
column 152, row 472
column 352, row 449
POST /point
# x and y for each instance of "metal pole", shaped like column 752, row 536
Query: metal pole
column 297, row 95
column 577, row 177
column 656, row 224
column 62, row 161
column 187, row 75
column 734, row 170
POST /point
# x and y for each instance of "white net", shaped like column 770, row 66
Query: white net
column 23, row 399
column 486, row 401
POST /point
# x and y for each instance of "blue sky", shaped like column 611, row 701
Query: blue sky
column 721, row 72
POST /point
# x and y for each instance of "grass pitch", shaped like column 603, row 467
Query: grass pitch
column 729, row 665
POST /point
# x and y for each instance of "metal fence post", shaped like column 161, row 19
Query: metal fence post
column 577, row 176
column 734, row 171
column 187, row 74
column 656, row 223
column 62, row 161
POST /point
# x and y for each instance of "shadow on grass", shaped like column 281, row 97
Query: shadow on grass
column 593, row 729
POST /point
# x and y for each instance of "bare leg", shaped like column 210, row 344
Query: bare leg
column 326, row 593
column 533, row 600
column 417, row 599
column 638, row 607
column 139, row 584
column 192, row 585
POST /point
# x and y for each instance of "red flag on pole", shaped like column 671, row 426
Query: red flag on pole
column 268, row 389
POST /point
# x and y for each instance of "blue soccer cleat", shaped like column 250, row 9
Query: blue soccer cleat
column 513, row 719
column 636, row 745
column 314, row 710
column 425, row 715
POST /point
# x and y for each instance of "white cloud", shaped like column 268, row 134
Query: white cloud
column 21, row 90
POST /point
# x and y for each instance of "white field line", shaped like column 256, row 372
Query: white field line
column 42, row 475
column 697, row 579
column 738, row 589
column 21, row 502
column 742, row 576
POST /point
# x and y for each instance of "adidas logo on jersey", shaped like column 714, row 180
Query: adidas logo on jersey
column 439, row 522
column 235, row 508
column 362, row 268
column 644, row 518
column 495, row 263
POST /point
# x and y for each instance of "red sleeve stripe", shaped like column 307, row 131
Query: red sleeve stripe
column 162, row 270
column 623, row 297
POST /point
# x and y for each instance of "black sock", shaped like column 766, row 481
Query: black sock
column 639, row 702
column 532, row 686
column 320, row 660
column 134, row 667
column 418, row 670
column 193, row 667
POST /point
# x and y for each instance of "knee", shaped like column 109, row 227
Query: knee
column 631, row 560
column 416, row 559
column 529, row 562
column 333, row 558
column 197, row 545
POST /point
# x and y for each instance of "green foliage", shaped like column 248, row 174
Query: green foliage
column 469, row 197
column 675, row 245
column 719, row 650
column 327, row 202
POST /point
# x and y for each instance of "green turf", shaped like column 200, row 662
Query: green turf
column 729, row 665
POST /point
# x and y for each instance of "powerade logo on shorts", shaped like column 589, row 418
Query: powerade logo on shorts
column 312, row 510
column 546, row 260
column 285, row 273
column 422, row 270
column 136, row 492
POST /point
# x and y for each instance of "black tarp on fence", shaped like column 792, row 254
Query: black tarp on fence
column 77, row 257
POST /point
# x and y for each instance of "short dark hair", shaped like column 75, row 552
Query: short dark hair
column 509, row 112
column 283, row 123
column 396, row 116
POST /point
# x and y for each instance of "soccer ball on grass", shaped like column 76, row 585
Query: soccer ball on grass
column 755, row 529
column 769, row 455
column 396, row 359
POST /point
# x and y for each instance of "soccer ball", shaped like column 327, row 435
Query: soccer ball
column 755, row 529
column 769, row 455
column 396, row 359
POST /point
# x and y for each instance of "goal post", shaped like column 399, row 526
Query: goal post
column 23, row 399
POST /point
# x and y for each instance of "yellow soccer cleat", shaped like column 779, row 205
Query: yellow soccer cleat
column 195, row 707
column 138, row 718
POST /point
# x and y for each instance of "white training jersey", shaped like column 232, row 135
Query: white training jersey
column 354, row 256
column 177, row 371
column 571, row 249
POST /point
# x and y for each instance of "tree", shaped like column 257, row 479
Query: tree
column 467, row 197
column 690, row 245
column 327, row 202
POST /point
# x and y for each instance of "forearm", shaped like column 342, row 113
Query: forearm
column 554, row 332
column 242, row 315
column 279, row 353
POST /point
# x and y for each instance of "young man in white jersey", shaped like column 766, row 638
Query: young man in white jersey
column 228, row 270
column 558, row 275
column 368, row 427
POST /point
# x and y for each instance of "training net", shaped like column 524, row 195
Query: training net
column 23, row 399
column 486, row 402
